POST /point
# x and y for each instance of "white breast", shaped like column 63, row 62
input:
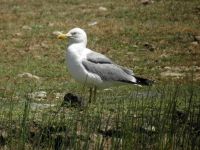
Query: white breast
column 74, row 57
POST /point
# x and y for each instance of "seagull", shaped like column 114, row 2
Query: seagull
column 94, row 69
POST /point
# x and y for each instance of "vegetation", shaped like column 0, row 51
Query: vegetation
column 158, row 40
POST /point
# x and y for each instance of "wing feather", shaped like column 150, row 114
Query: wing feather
column 107, row 72
column 98, row 58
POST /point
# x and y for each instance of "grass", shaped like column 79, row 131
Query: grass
column 165, row 116
column 156, row 118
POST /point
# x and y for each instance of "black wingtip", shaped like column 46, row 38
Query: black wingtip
column 142, row 81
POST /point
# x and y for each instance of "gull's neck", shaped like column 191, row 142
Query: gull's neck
column 77, row 49
column 80, row 44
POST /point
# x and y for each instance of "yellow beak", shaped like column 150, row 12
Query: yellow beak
column 63, row 36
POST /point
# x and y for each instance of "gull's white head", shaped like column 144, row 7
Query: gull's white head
column 75, row 35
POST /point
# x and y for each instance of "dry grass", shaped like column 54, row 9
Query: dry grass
column 170, row 26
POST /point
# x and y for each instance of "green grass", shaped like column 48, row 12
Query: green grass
column 165, row 116
column 154, row 118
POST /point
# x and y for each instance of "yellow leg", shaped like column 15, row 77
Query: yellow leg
column 95, row 93
column 90, row 96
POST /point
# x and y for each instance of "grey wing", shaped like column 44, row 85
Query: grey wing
column 128, row 71
column 108, row 72
column 98, row 58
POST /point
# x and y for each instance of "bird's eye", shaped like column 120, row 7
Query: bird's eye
column 73, row 33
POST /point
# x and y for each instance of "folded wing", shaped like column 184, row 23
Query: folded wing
column 107, row 70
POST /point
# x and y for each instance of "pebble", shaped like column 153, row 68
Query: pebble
column 168, row 68
column 25, row 27
column 36, row 106
column 149, row 46
column 44, row 45
column 172, row 74
column 50, row 24
column 92, row 23
column 56, row 32
column 197, row 38
column 18, row 34
column 148, row 128
column 58, row 95
column 108, row 89
column 146, row 2
column 195, row 43
column 103, row 8
column 28, row 75
column 39, row 96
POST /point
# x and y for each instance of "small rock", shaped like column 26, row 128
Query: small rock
column 51, row 24
column 179, row 68
column 73, row 100
column 28, row 75
column 25, row 27
column 149, row 47
column 92, row 23
column 103, row 8
column 197, row 77
column 172, row 74
column 134, row 46
column 57, row 32
column 3, row 137
column 167, row 68
column 195, row 43
column 41, row 95
column 164, row 56
column 108, row 89
column 149, row 129
column 146, row 2
column 196, row 68
column 19, row 34
column 197, row 38
column 36, row 106
column 58, row 95
column 44, row 45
